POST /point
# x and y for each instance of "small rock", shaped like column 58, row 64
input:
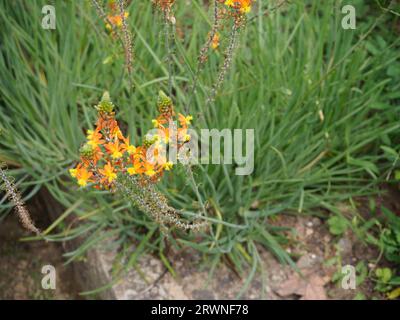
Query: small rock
column 371, row 265
column 203, row 295
column 345, row 246
column 309, row 232
column 316, row 222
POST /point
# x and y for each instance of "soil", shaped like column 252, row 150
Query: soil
column 21, row 263
column 318, row 255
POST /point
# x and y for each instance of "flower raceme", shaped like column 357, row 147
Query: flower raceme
column 110, row 161
column 107, row 152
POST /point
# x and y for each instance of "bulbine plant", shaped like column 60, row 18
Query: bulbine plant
column 109, row 161
column 7, row 184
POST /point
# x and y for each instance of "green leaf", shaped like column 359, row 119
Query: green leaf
column 337, row 225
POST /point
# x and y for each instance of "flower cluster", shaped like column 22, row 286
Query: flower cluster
column 108, row 152
column 242, row 6
column 110, row 161
column 165, row 6
column 114, row 19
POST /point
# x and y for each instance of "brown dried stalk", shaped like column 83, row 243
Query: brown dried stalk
column 15, row 198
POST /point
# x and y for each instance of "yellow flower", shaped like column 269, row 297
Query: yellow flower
column 90, row 134
column 131, row 149
column 187, row 137
column 108, row 173
column 168, row 165
column 127, row 147
column 131, row 171
column 94, row 138
column 215, row 42
column 149, row 170
column 184, row 121
column 156, row 123
column 244, row 6
column 82, row 175
column 114, row 149
column 73, row 172
column 116, row 20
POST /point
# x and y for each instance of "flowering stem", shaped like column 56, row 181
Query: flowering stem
column 127, row 40
column 196, row 190
column 268, row 11
column 101, row 13
column 227, row 62
column 144, row 195
column 203, row 55
column 169, row 53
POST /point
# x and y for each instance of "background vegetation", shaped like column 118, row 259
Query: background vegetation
column 323, row 102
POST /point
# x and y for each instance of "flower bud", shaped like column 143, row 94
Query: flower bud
column 105, row 105
column 86, row 151
column 164, row 104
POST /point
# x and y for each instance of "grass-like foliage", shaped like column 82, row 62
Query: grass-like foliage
column 322, row 101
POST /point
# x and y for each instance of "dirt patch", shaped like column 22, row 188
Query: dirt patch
column 320, row 257
column 21, row 263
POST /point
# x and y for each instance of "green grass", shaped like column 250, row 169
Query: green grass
column 289, row 66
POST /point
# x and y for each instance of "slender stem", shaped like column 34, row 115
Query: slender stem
column 227, row 63
column 203, row 55
column 196, row 190
column 127, row 40
column 169, row 53
column 102, row 15
column 267, row 11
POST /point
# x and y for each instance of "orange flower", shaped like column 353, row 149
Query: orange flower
column 106, row 122
column 183, row 135
column 184, row 120
column 164, row 134
column 127, row 147
column 149, row 169
column 108, row 173
column 244, row 6
column 94, row 138
column 215, row 41
column 114, row 149
column 81, row 174
column 97, row 155
column 116, row 133
column 116, row 20
column 137, row 168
